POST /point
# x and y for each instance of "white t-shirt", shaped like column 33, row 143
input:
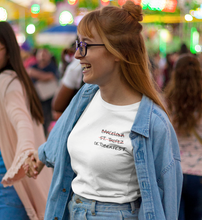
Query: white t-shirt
column 102, row 154
column 73, row 75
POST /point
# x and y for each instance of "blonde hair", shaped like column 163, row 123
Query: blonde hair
column 120, row 31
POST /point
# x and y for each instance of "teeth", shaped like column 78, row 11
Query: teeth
column 85, row 66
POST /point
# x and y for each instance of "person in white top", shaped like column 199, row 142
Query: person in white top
column 71, row 83
column 104, row 178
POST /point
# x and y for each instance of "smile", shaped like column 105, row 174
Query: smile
column 85, row 67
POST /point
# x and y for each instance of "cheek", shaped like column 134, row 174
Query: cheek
column 3, row 61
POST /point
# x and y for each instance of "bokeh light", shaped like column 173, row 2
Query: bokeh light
column 35, row 8
column 30, row 29
column 198, row 48
column 165, row 35
column 66, row 18
column 3, row 14
column 20, row 38
column 188, row 17
column 105, row 2
column 72, row 2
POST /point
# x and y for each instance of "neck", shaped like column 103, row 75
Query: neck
column 120, row 94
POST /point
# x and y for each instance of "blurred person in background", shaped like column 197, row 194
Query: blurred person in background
column 184, row 98
column 28, row 55
column 21, row 132
column 155, row 71
column 114, row 151
column 67, row 56
column 44, row 76
column 183, row 49
column 70, row 84
column 167, row 70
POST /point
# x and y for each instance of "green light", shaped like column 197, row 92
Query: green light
column 156, row 5
column 145, row 4
column 194, row 40
column 35, row 8
column 66, row 18
column 164, row 33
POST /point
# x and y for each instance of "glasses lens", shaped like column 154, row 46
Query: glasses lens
column 82, row 49
column 77, row 44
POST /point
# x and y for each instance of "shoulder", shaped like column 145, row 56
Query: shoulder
column 8, row 74
column 73, row 67
column 163, row 132
column 74, row 64
column 88, row 89
column 160, row 123
column 159, row 116
column 9, row 82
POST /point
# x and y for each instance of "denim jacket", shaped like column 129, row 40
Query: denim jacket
column 156, row 158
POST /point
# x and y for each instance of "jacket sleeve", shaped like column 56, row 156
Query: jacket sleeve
column 57, row 139
column 168, row 168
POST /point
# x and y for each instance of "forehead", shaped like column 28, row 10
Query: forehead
column 42, row 51
column 91, row 35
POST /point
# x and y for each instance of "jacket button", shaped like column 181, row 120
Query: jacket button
column 64, row 190
column 78, row 201
column 56, row 218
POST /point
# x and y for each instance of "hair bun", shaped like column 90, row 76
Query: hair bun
column 134, row 10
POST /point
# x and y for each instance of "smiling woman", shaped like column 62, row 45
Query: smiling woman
column 114, row 147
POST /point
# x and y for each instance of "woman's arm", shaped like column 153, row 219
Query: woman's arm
column 167, row 165
column 62, row 98
column 21, row 120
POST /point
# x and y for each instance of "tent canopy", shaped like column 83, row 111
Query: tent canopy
column 61, row 29
column 62, row 36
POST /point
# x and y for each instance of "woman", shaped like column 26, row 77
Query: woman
column 21, row 132
column 184, row 96
column 114, row 152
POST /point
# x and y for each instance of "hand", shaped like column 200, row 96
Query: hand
column 32, row 165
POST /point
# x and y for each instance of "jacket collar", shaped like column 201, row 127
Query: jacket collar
column 142, row 119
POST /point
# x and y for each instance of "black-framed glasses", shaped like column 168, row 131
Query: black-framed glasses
column 82, row 46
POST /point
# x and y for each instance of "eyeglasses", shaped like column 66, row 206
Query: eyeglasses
column 82, row 46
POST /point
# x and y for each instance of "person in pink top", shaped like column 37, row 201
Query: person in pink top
column 21, row 132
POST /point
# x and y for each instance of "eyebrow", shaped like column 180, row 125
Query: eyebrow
column 86, row 39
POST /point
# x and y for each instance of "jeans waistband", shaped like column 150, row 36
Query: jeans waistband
column 99, row 206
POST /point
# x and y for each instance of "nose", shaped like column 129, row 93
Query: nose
column 77, row 54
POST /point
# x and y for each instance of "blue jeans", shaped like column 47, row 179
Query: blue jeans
column 10, row 205
column 191, row 199
column 85, row 209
